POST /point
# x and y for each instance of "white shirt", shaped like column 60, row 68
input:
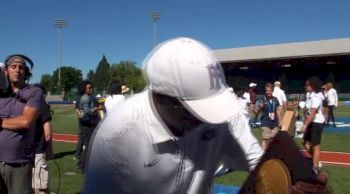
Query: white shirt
column 134, row 152
column 332, row 97
column 112, row 100
column 314, row 100
column 280, row 95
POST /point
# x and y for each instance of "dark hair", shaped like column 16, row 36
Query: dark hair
column 28, row 74
column 315, row 83
column 269, row 85
column 115, row 87
column 83, row 85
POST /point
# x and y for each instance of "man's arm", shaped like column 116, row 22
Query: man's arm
column 48, row 139
column 242, row 139
column 336, row 98
column 47, row 131
column 24, row 121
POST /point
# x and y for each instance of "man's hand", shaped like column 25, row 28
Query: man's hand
column 312, row 188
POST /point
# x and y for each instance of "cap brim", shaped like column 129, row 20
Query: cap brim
column 217, row 109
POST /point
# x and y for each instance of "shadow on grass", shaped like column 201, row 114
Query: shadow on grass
column 63, row 154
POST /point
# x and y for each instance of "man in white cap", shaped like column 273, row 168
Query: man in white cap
column 172, row 137
column 281, row 97
column 252, row 108
column 279, row 93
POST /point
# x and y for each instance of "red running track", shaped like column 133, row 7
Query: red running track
column 327, row 157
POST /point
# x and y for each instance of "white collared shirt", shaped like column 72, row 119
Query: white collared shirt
column 314, row 100
column 332, row 97
column 280, row 95
column 134, row 152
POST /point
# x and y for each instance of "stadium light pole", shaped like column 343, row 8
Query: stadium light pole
column 59, row 23
column 155, row 16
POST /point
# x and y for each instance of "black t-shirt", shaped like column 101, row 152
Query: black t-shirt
column 39, row 139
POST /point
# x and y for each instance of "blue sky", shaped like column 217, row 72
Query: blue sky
column 122, row 29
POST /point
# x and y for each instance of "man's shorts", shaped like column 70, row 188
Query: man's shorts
column 313, row 133
column 268, row 133
column 40, row 172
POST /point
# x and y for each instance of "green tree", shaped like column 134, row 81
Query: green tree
column 101, row 78
column 91, row 75
column 129, row 74
column 46, row 82
column 70, row 77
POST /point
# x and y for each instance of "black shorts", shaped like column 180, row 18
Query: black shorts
column 313, row 133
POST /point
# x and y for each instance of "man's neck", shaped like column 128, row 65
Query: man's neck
column 17, row 86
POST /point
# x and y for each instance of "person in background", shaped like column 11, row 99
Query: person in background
column 280, row 95
column 79, row 113
column 323, row 94
column 332, row 102
column 252, row 106
column 115, row 91
column 43, row 149
column 313, row 123
column 88, row 120
column 20, row 107
column 270, row 116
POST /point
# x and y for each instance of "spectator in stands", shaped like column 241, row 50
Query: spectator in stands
column 20, row 107
column 252, row 106
column 280, row 95
column 332, row 100
column 172, row 137
column 270, row 116
column 43, row 149
column 115, row 95
column 88, row 120
column 313, row 123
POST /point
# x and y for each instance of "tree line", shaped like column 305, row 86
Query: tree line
column 126, row 72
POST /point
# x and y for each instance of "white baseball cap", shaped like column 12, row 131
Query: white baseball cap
column 277, row 83
column 253, row 85
column 187, row 69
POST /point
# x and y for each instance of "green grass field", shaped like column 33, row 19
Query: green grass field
column 65, row 121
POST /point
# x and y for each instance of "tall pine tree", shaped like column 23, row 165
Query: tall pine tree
column 101, row 78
